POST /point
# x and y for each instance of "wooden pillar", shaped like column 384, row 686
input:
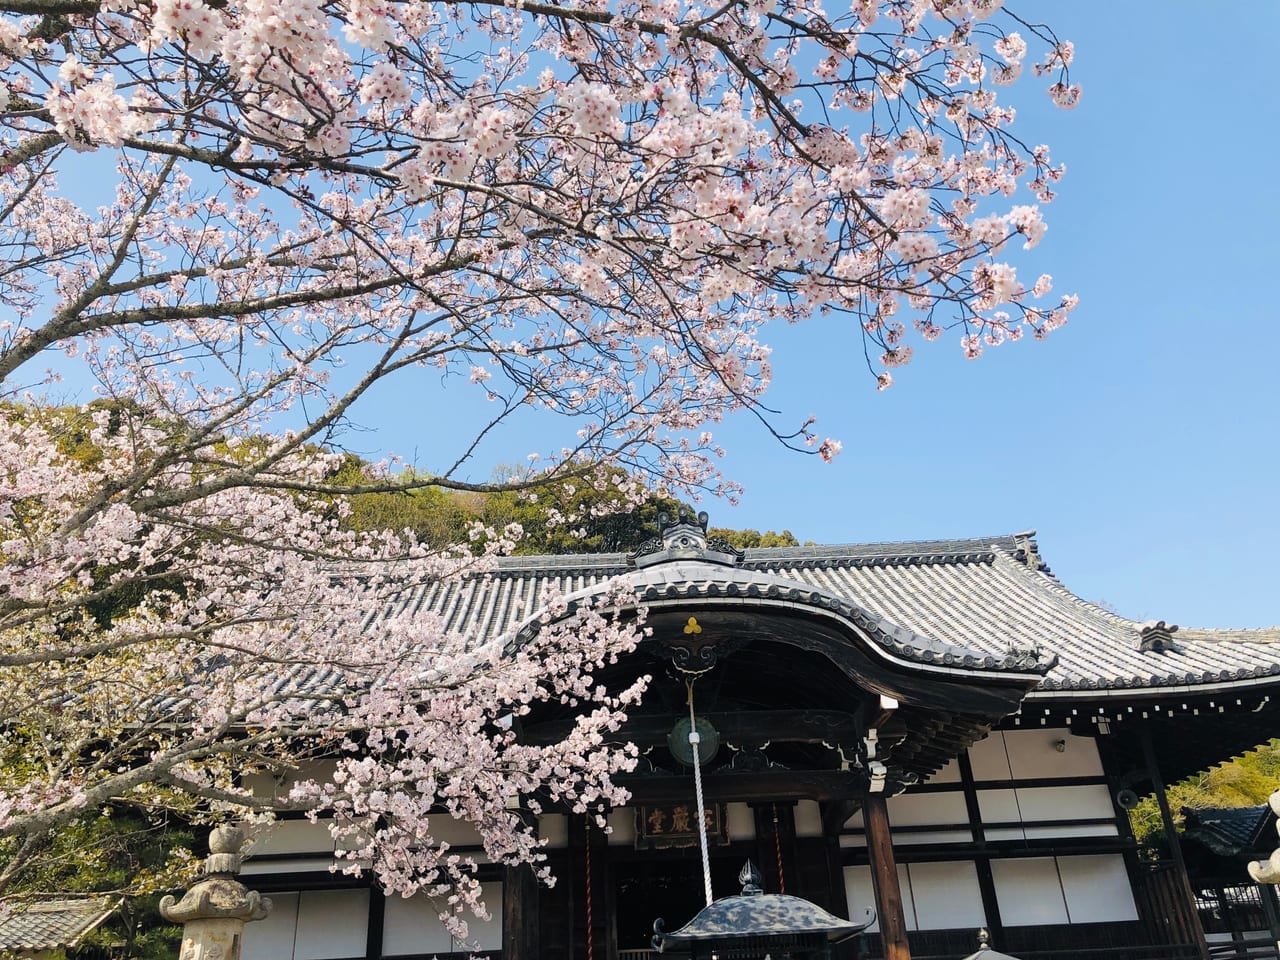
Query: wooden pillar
column 377, row 921
column 884, row 873
column 982, row 861
column 1175, row 847
column 520, row 925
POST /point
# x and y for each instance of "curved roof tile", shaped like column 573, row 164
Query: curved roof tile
column 965, row 601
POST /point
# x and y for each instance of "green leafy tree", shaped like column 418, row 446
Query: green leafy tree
column 123, row 851
column 1245, row 781
column 745, row 539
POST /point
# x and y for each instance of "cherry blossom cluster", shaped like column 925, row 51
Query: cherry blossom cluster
column 576, row 208
column 146, row 646
column 242, row 216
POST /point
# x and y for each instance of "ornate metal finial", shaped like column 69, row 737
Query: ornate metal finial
column 751, row 880
column 218, row 894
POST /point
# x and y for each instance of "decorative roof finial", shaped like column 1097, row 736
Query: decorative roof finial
column 684, row 537
column 1156, row 636
column 751, row 880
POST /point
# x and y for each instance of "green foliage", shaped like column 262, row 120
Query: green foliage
column 123, row 851
column 745, row 539
column 561, row 516
column 1246, row 781
column 574, row 515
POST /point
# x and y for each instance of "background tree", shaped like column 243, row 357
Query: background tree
column 1245, row 781
column 239, row 218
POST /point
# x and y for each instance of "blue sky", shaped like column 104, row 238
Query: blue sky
column 1140, row 440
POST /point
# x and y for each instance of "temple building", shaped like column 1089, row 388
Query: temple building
column 938, row 731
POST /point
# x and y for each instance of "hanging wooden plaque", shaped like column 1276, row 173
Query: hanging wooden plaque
column 666, row 825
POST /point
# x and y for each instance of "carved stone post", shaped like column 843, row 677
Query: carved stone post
column 1268, row 872
column 216, row 908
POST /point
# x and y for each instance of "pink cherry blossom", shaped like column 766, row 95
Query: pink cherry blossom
column 586, row 211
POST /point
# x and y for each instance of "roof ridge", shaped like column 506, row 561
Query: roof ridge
column 887, row 549
column 1044, row 578
column 874, row 550
column 1241, row 634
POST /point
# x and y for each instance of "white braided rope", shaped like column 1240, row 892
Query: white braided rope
column 694, row 741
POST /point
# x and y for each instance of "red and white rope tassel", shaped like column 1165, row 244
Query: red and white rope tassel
column 777, row 847
column 591, row 930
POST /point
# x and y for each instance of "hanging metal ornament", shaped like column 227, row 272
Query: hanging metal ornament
column 708, row 743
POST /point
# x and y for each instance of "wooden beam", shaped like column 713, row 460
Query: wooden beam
column 740, row 728
column 780, row 785
column 884, row 873
column 835, row 813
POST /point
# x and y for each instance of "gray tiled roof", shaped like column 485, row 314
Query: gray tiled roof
column 1230, row 831
column 979, row 598
column 52, row 924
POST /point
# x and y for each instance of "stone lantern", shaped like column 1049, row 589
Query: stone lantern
column 216, row 908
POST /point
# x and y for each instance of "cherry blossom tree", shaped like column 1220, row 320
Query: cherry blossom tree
column 240, row 216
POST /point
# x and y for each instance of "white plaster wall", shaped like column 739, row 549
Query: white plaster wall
column 332, row 924
column 292, row 836
column 742, row 822
column 1097, row 888
column 1033, row 754
column 622, row 827
column 1031, row 805
column 1065, row 803
column 1029, row 892
column 1000, row 806
column 988, row 759
column 413, row 926
column 860, row 893
column 456, row 833
column 925, row 809
column 946, row 895
column 301, row 864
column 272, row 937
column 554, row 828
column 1082, row 889
column 313, row 925
column 808, row 819
column 935, row 896
column 273, row 786
column 948, row 774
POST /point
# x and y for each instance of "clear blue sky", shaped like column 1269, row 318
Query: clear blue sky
column 1140, row 440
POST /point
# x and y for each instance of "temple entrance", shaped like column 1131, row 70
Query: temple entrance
column 666, row 884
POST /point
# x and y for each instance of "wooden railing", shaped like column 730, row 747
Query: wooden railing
column 1253, row 947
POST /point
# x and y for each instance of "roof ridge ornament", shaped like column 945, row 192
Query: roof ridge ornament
column 684, row 537
column 1156, row 636
column 1029, row 551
